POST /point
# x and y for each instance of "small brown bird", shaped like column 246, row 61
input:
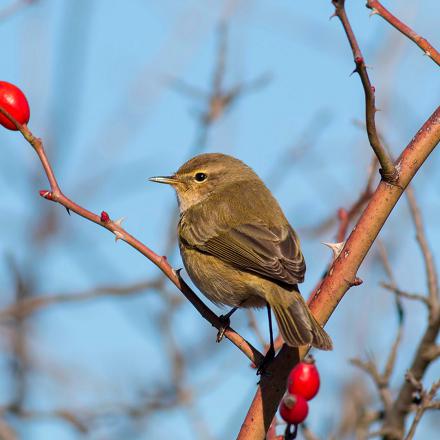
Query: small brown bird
column 238, row 247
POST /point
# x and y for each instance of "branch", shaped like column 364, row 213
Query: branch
column 55, row 194
column 380, row 380
column 388, row 171
column 431, row 273
column 427, row 48
column 427, row 402
column 342, row 274
column 27, row 306
column 403, row 294
column 427, row 350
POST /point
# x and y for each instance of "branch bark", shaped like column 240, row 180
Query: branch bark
column 424, row 44
column 388, row 171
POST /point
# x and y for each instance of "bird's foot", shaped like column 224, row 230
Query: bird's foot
column 225, row 324
column 267, row 360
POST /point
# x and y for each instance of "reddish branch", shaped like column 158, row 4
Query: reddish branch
column 388, row 171
column 424, row 44
column 342, row 274
column 56, row 195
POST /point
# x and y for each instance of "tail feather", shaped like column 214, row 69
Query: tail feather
column 296, row 323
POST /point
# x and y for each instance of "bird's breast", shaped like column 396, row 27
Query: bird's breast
column 220, row 283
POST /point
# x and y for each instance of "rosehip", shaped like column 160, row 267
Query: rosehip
column 13, row 100
column 294, row 409
column 304, row 379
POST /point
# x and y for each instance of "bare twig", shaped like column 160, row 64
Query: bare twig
column 218, row 100
column 28, row 306
column 403, row 294
column 388, row 170
column 428, row 49
column 427, row 349
column 380, row 380
column 431, row 272
column 427, row 402
column 6, row 431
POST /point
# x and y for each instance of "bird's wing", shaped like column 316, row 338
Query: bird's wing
column 273, row 252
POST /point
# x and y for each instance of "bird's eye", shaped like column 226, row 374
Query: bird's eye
column 200, row 177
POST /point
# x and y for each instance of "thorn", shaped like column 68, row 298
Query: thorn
column 45, row 193
column 357, row 282
column 105, row 218
column 118, row 235
column 427, row 53
column 177, row 272
column 119, row 221
column 336, row 248
column 373, row 12
column 332, row 16
column 354, row 71
column 68, row 210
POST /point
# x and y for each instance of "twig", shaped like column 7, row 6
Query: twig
column 380, row 380
column 427, row 48
column 401, row 293
column 55, row 194
column 388, row 170
column 25, row 307
column 431, row 272
column 427, row 401
column 427, row 349
column 346, row 217
column 307, row 433
column 6, row 431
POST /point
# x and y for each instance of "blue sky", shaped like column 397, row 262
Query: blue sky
column 95, row 74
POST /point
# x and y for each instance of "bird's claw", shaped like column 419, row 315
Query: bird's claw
column 267, row 360
column 224, row 326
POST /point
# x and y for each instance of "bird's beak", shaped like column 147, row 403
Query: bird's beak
column 169, row 180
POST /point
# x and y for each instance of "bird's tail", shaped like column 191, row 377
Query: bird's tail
column 296, row 323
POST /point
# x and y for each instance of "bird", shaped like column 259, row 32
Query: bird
column 238, row 247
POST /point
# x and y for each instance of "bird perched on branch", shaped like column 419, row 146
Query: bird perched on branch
column 238, row 247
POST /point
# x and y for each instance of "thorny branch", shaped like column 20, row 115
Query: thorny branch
column 428, row 49
column 55, row 194
column 388, row 170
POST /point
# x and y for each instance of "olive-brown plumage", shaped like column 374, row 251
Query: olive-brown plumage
column 238, row 247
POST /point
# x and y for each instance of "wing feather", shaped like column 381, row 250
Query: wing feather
column 272, row 252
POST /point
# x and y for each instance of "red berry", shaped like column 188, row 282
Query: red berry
column 304, row 379
column 13, row 100
column 294, row 409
